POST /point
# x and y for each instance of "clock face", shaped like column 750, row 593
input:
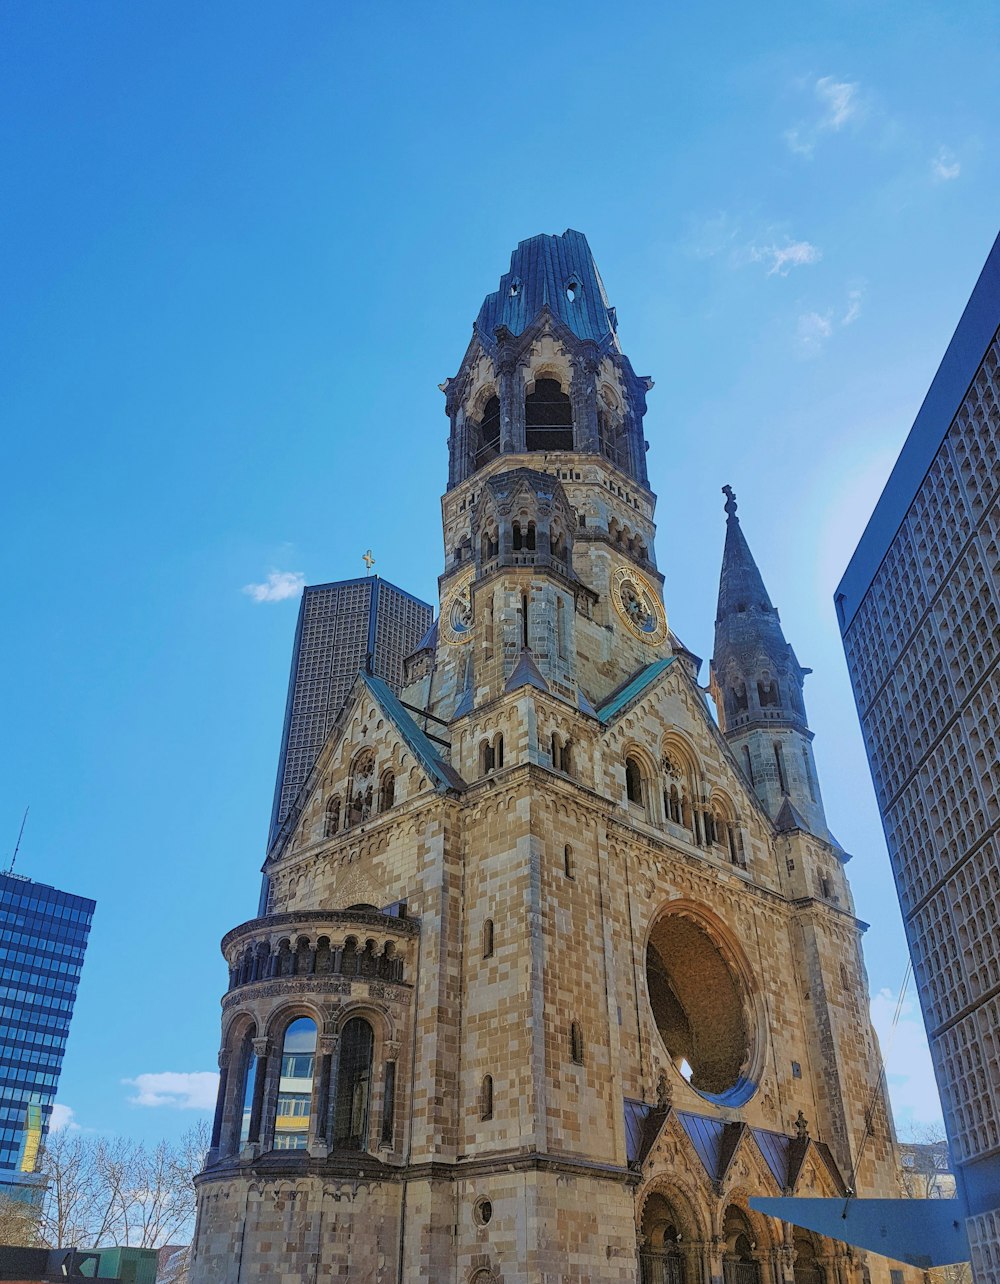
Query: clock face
column 456, row 615
column 639, row 606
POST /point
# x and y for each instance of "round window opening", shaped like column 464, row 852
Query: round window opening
column 483, row 1211
column 699, row 1010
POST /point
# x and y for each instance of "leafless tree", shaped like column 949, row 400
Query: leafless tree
column 119, row 1192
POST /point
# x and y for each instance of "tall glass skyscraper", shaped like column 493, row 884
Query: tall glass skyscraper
column 43, row 937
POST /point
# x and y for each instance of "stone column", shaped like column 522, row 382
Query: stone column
column 584, row 394
column 698, row 1259
column 319, row 1145
column 506, row 372
column 261, row 1048
column 714, row 1250
column 220, row 1107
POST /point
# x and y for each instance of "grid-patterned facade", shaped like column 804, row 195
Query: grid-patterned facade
column 923, row 649
column 339, row 626
column 43, row 937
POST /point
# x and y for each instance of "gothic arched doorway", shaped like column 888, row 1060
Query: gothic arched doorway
column 807, row 1269
column 660, row 1257
column 740, row 1265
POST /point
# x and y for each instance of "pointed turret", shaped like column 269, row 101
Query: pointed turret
column 756, row 682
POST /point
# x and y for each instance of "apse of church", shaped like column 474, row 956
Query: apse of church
column 559, row 969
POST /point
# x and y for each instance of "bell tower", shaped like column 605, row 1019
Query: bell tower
column 548, row 515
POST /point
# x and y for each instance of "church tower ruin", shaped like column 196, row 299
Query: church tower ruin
column 556, row 971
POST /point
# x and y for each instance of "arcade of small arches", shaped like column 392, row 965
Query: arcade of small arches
column 677, row 1246
column 293, row 1088
column 673, row 795
column 315, row 956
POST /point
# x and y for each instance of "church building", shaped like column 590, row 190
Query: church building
column 557, row 969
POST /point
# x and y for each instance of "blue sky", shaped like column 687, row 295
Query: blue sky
column 243, row 243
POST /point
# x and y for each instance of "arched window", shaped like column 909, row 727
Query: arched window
column 517, row 539
column 489, row 433
column 488, row 939
column 530, row 538
column 359, row 805
column 569, row 868
column 498, row 749
column 711, row 828
column 386, row 791
column 332, row 822
column 779, row 762
column 767, row 692
column 487, row 759
column 672, row 803
column 295, row 1086
column 486, row 1098
column 249, row 1059
column 548, row 417
column 576, row 1042
column 354, row 1080
column 633, row 781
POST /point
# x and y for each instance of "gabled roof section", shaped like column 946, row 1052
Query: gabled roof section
column 642, row 1127
column 618, row 700
column 443, row 774
column 775, row 1147
column 706, row 1136
column 429, row 641
column 789, row 819
column 557, row 272
column 526, row 674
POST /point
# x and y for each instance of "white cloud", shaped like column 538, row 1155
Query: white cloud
column 854, row 298
column 278, row 586
column 909, row 1072
column 839, row 102
column 62, row 1119
column 813, row 330
column 945, row 166
column 194, row 1091
column 783, row 258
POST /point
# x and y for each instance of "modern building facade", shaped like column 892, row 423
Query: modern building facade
column 342, row 628
column 919, row 611
column 43, row 938
column 558, row 970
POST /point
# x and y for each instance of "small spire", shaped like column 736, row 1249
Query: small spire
column 730, row 501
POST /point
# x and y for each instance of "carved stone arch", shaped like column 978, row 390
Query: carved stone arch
column 766, row 1231
column 677, row 747
column 693, row 1214
column 287, row 1012
column 383, row 1026
column 236, row 1025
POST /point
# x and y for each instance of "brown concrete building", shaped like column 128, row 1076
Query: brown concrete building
column 560, row 970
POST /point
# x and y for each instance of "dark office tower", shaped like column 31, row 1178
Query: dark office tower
column 43, row 936
column 340, row 626
column 919, row 609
